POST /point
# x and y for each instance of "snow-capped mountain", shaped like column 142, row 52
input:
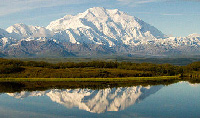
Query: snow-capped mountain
column 25, row 31
column 95, row 31
column 3, row 33
column 101, row 26
column 96, row 101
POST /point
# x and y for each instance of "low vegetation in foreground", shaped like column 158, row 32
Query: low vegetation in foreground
column 95, row 69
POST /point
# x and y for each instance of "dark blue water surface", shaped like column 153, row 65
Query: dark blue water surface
column 179, row 100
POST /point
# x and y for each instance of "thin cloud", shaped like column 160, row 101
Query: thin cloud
column 192, row 0
column 14, row 6
column 136, row 2
column 167, row 14
column 183, row 0
column 172, row 14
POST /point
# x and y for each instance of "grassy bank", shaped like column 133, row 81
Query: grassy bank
column 39, row 72
column 10, row 85
column 96, row 70
column 124, row 79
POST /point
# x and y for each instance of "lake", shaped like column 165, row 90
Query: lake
column 177, row 100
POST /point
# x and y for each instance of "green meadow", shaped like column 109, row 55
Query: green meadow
column 17, row 70
column 138, row 79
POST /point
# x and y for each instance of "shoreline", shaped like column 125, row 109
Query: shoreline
column 125, row 79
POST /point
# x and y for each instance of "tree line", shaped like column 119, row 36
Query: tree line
column 93, row 69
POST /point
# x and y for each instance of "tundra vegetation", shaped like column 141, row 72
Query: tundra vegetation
column 12, row 68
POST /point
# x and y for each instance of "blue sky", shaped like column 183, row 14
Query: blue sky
column 172, row 17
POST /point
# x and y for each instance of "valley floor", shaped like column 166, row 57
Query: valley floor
column 94, row 71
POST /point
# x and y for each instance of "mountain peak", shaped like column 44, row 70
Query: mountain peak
column 107, row 24
column 96, row 12
column 96, row 9
column 102, row 12
column 102, row 30
column 3, row 33
column 194, row 35
column 102, row 9
column 26, row 31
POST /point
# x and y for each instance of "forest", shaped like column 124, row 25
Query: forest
column 13, row 68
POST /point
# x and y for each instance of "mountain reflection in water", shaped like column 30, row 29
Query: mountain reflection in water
column 96, row 101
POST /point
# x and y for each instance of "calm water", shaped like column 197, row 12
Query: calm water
column 180, row 100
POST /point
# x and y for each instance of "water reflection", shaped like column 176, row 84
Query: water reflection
column 194, row 85
column 96, row 101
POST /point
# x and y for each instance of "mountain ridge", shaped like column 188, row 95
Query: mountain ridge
column 93, row 32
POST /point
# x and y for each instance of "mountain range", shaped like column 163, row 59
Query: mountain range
column 97, row 31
